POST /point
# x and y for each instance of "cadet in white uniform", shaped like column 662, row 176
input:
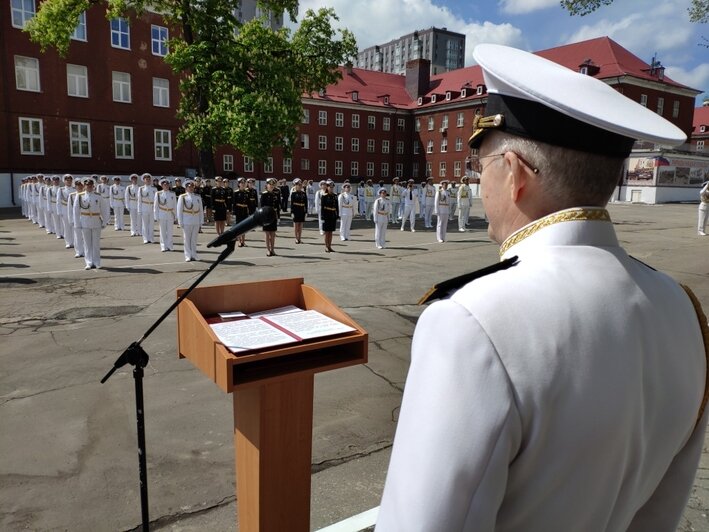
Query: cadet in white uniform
column 395, row 215
column 703, row 209
column 90, row 217
column 132, row 198
column 102, row 188
column 164, row 211
column 346, row 204
column 78, row 235
column 382, row 210
column 63, row 213
column 52, row 213
column 369, row 198
column 442, row 211
column 410, row 198
column 318, row 196
column 428, row 202
column 146, row 201
column 569, row 394
column 190, row 214
column 465, row 202
column 310, row 193
column 117, row 202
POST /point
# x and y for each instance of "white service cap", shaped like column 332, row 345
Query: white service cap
column 532, row 97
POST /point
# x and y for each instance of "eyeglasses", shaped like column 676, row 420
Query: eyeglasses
column 477, row 167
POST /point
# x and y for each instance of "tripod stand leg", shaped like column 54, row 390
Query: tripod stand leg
column 142, row 459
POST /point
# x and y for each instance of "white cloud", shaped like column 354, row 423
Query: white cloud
column 697, row 78
column 520, row 7
column 379, row 21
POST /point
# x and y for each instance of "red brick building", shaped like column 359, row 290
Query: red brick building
column 109, row 107
column 700, row 129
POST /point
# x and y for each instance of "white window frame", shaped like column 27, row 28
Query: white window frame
column 80, row 32
column 429, row 169
column 305, row 164
column 643, row 100
column 386, row 146
column 675, row 109
column 370, row 169
column 354, row 146
column 660, row 105
column 400, row 124
column 268, row 165
column 322, row 142
column 119, row 141
column 77, row 81
column 305, row 141
column 248, row 164
column 340, row 120
column 444, row 145
column 322, row 167
column 27, row 70
column 339, row 168
column 371, row 145
column 460, row 119
column 414, row 169
column 339, row 143
column 385, row 170
column 456, row 168
column 355, row 120
column 431, row 123
column 31, row 136
column 121, row 83
column 20, row 12
column 442, row 169
column 161, row 92
column 444, row 122
column 354, row 168
column 386, row 123
column 287, row 165
column 116, row 34
column 163, row 144
column 371, row 122
column 306, row 116
column 700, row 145
column 400, row 147
column 399, row 170
column 459, row 144
column 429, row 146
column 417, row 147
column 80, row 139
column 417, row 126
column 161, row 42
column 228, row 162
column 322, row 117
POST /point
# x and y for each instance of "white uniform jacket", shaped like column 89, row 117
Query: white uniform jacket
column 442, row 202
column 89, row 210
column 189, row 209
column 131, row 197
column 566, row 396
column 465, row 196
column 165, row 206
column 346, row 203
column 146, row 199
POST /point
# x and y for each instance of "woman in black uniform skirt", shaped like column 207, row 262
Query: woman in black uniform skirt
column 298, row 208
column 329, row 213
column 219, row 206
column 269, row 198
column 241, row 206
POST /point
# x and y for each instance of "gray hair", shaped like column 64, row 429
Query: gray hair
column 570, row 178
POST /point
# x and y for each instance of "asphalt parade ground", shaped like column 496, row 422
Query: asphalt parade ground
column 68, row 452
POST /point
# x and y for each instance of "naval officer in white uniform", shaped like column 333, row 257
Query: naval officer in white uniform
column 569, row 396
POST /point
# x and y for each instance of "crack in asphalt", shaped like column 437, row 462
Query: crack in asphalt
column 169, row 519
column 317, row 467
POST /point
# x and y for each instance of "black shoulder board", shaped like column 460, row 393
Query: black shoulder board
column 641, row 262
column 444, row 288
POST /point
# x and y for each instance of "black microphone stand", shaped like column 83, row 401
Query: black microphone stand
column 136, row 356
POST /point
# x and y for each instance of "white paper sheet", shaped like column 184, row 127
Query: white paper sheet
column 244, row 335
column 309, row 324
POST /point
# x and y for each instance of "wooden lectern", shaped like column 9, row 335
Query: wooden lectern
column 273, row 394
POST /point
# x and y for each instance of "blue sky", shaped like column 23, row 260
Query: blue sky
column 644, row 27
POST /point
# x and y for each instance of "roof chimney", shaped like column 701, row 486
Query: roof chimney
column 418, row 77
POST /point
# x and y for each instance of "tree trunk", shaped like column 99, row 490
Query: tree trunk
column 206, row 163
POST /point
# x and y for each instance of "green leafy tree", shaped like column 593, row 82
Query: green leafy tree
column 240, row 84
column 698, row 11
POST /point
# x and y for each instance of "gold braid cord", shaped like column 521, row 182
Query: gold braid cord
column 705, row 335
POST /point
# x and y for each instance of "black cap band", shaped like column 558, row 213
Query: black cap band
column 533, row 120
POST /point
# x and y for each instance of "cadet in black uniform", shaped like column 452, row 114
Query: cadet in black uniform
column 229, row 200
column 178, row 189
column 284, row 195
column 241, row 206
column 219, row 205
column 253, row 194
column 207, row 201
column 329, row 213
column 298, row 208
column 271, row 198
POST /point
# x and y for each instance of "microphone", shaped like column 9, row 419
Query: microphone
column 262, row 216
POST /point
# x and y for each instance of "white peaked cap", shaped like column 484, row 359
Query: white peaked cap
column 512, row 74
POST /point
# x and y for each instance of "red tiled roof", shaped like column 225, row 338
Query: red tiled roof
column 611, row 57
column 701, row 118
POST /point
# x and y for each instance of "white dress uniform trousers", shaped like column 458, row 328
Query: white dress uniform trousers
column 78, row 235
column 382, row 210
column 318, row 196
column 164, row 211
column 90, row 217
column 565, row 396
column 409, row 197
column 64, row 217
column 190, row 214
column 703, row 209
column 346, row 203
column 50, row 208
column 146, row 200
column 429, row 197
column 395, row 203
column 442, row 212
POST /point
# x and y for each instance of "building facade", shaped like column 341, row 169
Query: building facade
column 444, row 49
column 700, row 129
column 109, row 107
